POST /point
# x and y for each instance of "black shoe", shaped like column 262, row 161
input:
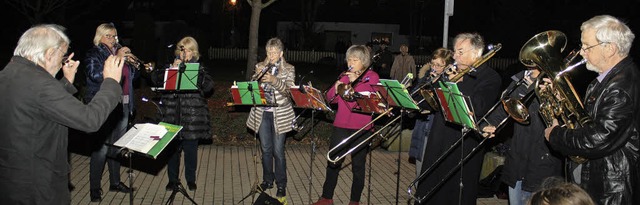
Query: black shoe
column 96, row 195
column 171, row 186
column 192, row 186
column 71, row 186
column 264, row 186
column 281, row 192
column 121, row 188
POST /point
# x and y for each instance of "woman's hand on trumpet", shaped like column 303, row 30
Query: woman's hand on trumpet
column 268, row 78
column 176, row 63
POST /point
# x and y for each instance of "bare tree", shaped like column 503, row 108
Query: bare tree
column 252, row 52
column 35, row 10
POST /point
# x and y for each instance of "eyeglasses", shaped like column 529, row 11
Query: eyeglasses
column 436, row 65
column 110, row 36
column 65, row 56
column 461, row 51
column 590, row 47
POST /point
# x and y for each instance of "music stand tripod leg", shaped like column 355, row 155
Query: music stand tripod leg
column 179, row 189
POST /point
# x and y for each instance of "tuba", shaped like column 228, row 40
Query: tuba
column 561, row 101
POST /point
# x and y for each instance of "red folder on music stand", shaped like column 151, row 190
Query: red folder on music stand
column 370, row 103
column 248, row 93
column 456, row 107
column 308, row 97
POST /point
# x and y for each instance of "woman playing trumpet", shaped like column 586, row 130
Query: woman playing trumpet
column 271, row 124
column 104, row 42
column 347, row 122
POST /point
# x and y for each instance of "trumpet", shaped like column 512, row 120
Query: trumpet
column 134, row 61
column 347, row 91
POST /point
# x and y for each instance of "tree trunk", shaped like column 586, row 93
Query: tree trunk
column 252, row 51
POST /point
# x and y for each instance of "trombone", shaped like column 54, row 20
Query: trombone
column 339, row 146
column 507, row 103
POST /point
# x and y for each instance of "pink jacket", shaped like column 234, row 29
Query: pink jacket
column 345, row 118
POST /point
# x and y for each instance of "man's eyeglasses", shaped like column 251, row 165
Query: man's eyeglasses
column 461, row 51
column 111, row 36
column 590, row 47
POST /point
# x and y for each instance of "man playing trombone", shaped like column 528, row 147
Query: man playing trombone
column 482, row 87
column 529, row 159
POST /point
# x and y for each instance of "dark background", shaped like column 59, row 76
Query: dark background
column 510, row 22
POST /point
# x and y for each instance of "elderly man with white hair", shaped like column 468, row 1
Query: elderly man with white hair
column 36, row 111
column 610, row 142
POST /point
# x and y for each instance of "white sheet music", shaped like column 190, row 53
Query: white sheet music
column 141, row 137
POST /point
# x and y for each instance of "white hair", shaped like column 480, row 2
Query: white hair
column 611, row 30
column 38, row 39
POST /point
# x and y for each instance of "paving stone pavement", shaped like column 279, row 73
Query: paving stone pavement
column 226, row 174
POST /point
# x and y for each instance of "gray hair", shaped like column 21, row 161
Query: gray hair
column 361, row 52
column 611, row 30
column 38, row 39
column 274, row 43
column 476, row 41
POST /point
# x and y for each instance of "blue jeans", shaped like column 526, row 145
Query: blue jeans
column 190, row 149
column 109, row 133
column 517, row 196
column 272, row 146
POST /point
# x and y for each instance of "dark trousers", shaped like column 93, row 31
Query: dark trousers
column 358, row 163
column 113, row 129
column 190, row 149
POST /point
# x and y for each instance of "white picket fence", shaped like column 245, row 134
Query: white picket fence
column 317, row 56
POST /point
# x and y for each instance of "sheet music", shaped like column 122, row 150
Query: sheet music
column 142, row 137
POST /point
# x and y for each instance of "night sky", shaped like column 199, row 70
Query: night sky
column 510, row 22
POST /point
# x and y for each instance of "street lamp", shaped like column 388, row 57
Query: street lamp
column 233, row 19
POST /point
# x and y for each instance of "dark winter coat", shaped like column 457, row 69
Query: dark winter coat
column 483, row 88
column 187, row 108
column 529, row 158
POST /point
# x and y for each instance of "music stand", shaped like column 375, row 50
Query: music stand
column 456, row 108
column 250, row 93
column 147, row 140
column 308, row 97
column 396, row 95
column 174, row 84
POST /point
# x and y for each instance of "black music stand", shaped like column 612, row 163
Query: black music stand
column 147, row 140
column 396, row 95
column 250, row 93
column 173, row 84
column 308, row 97
column 456, row 108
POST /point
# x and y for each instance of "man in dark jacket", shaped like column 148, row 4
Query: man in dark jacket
column 37, row 110
column 483, row 88
column 529, row 160
column 611, row 140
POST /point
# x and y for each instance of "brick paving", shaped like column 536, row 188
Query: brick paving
column 227, row 173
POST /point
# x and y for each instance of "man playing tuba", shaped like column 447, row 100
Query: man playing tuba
column 610, row 141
